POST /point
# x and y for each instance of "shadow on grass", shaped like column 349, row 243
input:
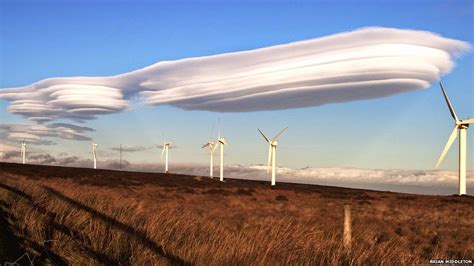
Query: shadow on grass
column 129, row 230
column 41, row 249
column 10, row 248
column 53, row 226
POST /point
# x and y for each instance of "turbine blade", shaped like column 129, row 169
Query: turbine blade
column 279, row 134
column 205, row 145
column 468, row 121
column 263, row 135
column 212, row 149
column 451, row 139
column 163, row 152
column 212, row 130
column 451, row 109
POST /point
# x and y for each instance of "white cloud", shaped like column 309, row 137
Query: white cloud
column 71, row 98
column 362, row 64
column 7, row 148
column 35, row 134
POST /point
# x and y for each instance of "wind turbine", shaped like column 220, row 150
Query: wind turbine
column 222, row 142
column 23, row 151
column 212, row 147
column 94, row 154
column 272, row 144
column 461, row 126
column 166, row 147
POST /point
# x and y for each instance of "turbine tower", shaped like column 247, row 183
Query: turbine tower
column 94, row 153
column 460, row 126
column 166, row 147
column 272, row 144
column 23, row 151
column 212, row 147
column 222, row 142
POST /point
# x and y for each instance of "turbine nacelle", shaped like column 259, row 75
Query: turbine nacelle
column 208, row 144
column 465, row 122
column 166, row 146
column 222, row 140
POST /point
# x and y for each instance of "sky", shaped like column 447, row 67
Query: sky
column 47, row 39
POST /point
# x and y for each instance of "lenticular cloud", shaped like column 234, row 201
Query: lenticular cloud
column 362, row 64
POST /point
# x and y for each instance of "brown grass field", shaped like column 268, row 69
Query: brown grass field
column 100, row 217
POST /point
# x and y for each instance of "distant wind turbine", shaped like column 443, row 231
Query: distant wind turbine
column 166, row 146
column 23, row 151
column 212, row 147
column 272, row 144
column 94, row 153
column 222, row 142
column 461, row 126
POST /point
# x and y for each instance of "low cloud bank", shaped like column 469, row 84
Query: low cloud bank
column 406, row 181
column 362, row 64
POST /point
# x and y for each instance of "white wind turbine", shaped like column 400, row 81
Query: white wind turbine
column 212, row 147
column 23, row 151
column 94, row 153
column 461, row 126
column 272, row 144
column 222, row 142
column 166, row 147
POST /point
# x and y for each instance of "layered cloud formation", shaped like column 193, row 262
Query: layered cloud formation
column 362, row 64
column 35, row 134
column 56, row 98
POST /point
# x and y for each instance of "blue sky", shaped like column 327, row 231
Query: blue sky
column 43, row 39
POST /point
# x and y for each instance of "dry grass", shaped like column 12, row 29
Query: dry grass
column 107, row 217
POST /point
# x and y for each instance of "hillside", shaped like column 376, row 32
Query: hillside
column 91, row 216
